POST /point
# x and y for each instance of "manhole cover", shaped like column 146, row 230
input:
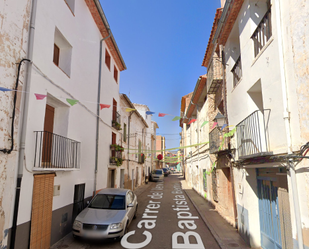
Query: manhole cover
column 233, row 245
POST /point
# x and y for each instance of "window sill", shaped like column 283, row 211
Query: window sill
column 62, row 70
column 263, row 49
column 54, row 169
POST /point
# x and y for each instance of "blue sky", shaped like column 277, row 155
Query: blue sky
column 163, row 43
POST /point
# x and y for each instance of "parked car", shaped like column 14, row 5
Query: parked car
column 166, row 171
column 108, row 215
column 157, row 175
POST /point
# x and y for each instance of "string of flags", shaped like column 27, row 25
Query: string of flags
column 73, row 102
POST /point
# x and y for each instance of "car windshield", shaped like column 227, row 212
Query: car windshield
column 105, row 201
column 158, row 172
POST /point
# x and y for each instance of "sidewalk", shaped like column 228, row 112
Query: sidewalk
column 226, row 235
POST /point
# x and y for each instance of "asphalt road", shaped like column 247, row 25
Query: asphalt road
column 165, row 219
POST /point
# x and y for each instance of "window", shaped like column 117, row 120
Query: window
column 263, row 31
column 107, row 59
column 115, row 74
column 124, row 132
column 62, row 52
column 113, row 142
column 71, row 5
column 237, row 72
column 56, row 54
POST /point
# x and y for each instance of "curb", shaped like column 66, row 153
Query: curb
column 213, row 232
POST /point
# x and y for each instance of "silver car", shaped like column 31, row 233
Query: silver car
column 157, row 175
column 108, row 215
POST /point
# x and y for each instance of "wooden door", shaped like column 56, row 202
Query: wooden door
column 48, row 135
column 114, row 110
column 41, row 213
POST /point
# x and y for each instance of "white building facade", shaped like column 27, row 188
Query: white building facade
column 65, row 135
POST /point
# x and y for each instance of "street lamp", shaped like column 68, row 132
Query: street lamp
column 220, row 119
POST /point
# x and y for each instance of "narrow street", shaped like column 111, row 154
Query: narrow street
column 165, row 219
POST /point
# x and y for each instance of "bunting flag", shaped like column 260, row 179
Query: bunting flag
column 214, row 125
column 225, row 125
column 204, row 123
column 72, row 101
column 5, row 89
column 104, row 106
column 162, row 114
column 176, row 118
column 150, row 113
column 192, row 121
column 40, row 96
column 130, row 109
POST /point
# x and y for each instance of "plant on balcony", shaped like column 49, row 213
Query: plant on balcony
column 117, row 160
column 117, row 147
column 116, row 125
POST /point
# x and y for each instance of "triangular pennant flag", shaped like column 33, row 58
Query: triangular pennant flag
column 176, row 118
column 130, row 109
column 193, row 120
column 223, row 126
column 204, row 123
column 72, row 101
column 104, row 106
column 150, row 113
column 162, row 114
column 5, row 89
column 214, row 125
column 40, row 96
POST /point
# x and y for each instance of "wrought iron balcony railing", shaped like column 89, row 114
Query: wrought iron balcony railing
column 214, row 74
column 216, row 142
column 237, row 71
column 116, row 120
column 55, row 151
column 262, row 33
column 252, row 135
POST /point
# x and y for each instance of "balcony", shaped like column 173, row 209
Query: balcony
column 262, row 33
column 216, row 142
column 214, row 74
column 53, row 151
column 116, row 154
column 252, row 135
column 237, row 72
column 116, row 120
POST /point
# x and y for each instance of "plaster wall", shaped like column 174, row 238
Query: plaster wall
column 76, row 122
column 14, row 23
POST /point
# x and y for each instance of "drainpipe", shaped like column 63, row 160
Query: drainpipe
column 24, row 120
column 98, row 113
column 286, row 117
column 128, row 153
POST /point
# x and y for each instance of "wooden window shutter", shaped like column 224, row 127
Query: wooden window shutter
column 56, row 54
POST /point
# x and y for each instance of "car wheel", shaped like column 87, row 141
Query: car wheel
column 134, row 217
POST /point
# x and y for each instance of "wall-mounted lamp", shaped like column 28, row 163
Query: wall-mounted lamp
column 220, row 120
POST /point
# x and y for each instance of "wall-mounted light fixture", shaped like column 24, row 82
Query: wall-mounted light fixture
column 220, row 120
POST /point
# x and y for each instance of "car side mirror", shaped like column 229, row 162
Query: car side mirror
column 130, row 205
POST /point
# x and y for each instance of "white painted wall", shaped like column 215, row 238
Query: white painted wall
column 76, row 122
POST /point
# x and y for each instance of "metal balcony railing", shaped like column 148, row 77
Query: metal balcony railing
column 214, row 74
column 252, row 135
column 262, row 33
column 237, row 71
column 215, row 141
column 55, row 151
column 116, row 120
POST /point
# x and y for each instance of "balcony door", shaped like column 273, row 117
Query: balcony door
column 114, row 110
column 48, row 134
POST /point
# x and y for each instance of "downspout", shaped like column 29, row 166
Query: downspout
column 128, row 153
column 25, row 104
column 98, row 113
column 286, row 117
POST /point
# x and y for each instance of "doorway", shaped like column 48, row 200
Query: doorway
column 78, row 202
column 48, row 135
column 122, row 178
